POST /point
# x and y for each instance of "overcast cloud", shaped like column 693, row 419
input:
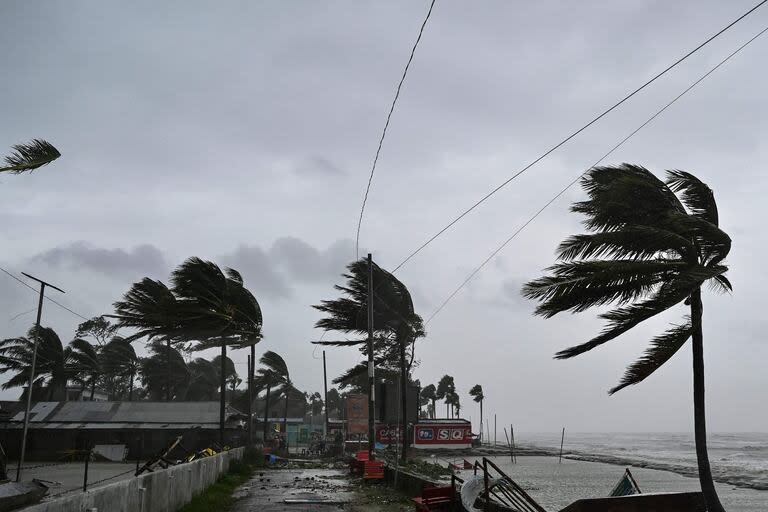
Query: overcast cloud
column 243, row 132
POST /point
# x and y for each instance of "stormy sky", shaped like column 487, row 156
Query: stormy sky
column 243, row 132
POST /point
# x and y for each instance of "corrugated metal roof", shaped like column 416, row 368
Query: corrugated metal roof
column 128, row 413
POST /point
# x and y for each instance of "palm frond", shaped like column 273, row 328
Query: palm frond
column 30, row 156
column 662, row 349
column 579, row 285
column 621, row 320
column 696, row 195
column 632, row 242
column 340, row 343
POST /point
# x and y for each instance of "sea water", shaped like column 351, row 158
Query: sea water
column 738, row 459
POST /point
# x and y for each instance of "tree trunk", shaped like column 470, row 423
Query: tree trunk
column 223, row 394
column 481, row 421
column 130, row 389
column 93, row 387
column 699, row 416
column 170, row 371
column 266, row 416
column 446, row 410
column 433, row 411
column 250, row 395
column 403, row 401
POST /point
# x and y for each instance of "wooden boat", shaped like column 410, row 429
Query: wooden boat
column 19, row 494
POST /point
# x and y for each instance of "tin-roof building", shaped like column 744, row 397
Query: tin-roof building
column 144, row 427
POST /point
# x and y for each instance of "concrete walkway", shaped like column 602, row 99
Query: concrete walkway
column 268, row 490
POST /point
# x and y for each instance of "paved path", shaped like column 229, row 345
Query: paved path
column 268, row 490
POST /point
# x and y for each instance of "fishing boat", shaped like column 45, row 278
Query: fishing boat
column 14, row 495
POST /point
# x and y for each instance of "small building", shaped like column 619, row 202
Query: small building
column 145, row 428
column 442, row 434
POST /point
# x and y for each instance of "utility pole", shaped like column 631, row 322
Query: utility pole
column 371, row 379
column 250, row 405
column 325, row 397
column 43, row 284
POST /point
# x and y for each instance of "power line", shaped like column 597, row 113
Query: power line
column 62, row 306
column 386, row 125
column 614, row 148
column 574, row 134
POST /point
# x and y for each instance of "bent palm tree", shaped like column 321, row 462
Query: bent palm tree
column 477, row 395
column 217, row 311
column 30, row 156
column 118, row 359
column 649, row 250
column 154, row 375
column 85, row 364
column 445, row 388
column 51, row 368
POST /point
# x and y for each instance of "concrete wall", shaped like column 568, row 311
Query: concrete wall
column 162, row 491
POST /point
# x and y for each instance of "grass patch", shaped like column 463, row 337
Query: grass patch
column 218, row 497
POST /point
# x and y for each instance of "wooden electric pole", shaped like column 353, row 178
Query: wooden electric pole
column 43, row 284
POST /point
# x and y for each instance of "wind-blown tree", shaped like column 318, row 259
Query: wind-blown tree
column 152, row 310
column 453, row 400
column 272, row 375
column 154, row 374
column 477, row 395
column 203, row 380
column 217, row 311
column 51, row 367
column 428, row 395
column 29, row 156
column 396, row 326
column 445, row 388
column 205, row 305
column 119, row 360
column 651, row 246
column 98, row 328
column 85, row 364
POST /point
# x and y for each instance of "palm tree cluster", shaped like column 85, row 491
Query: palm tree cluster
column 653, row 245
column 446, row 390
column 112, row 366
column 205, row 307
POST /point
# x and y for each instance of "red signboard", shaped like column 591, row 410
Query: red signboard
column 442, row 435
column 357, row 414
column 388, row 434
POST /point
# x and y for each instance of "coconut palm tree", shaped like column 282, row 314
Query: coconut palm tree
column 396, row 326
column 428, row 395
column 154, row 373
column 445, row 388
column 273, row 375
column 85, row 364
column 152, row 310
column 652, row 246
column 119, row 360
column 217, row 311
column 477, row 395
column 29, row 156
column 51, row 368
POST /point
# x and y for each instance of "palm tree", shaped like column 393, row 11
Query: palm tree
column 216, row 310
column 445, row 388
column 30, row 156
column 85, row 364
column 477, row 394
column 151, row 308
column 428, row 395
column 273, row 374
column 653, row 245
column 51, row 368
column 154, row 373
column 118, row 359
column 396, row 326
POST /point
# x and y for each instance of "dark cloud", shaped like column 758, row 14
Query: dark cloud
column 258, row 272
column 140, row 261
